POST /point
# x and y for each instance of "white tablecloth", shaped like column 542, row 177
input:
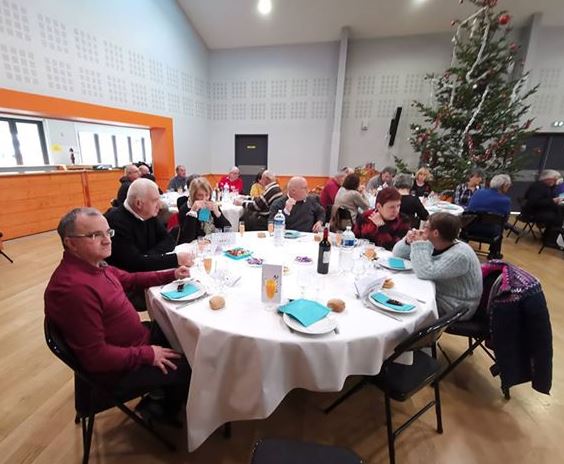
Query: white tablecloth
column 244, row 358
column 232, row 213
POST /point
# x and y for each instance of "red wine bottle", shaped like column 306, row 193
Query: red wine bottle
column 324, row 253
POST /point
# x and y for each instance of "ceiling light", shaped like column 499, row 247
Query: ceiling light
column 264, row 7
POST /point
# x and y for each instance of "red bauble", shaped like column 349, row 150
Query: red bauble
column 513, row 47
column 504, row 19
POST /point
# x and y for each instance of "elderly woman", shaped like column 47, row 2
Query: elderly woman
column 464, row 191
column 257, row 188
column 385, row 225
column 200, row 216
column 421, row 187
column 411, row 206
column 492, row 200
column 542, row 205
column 350, row 198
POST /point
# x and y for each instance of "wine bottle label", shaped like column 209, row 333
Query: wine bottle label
column 326, row 257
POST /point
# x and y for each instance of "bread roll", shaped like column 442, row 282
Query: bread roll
column 388, row 283
column 336, row 304
column 217, row 302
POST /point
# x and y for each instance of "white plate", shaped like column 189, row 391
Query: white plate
column 406, row 299
column 325, row 325
column 384, row 262
column 174, row 285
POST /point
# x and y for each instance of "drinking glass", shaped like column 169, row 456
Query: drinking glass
column 208, row 263
column 304, row 277
column 242, row 228
column 270, row 288
column 270, row 228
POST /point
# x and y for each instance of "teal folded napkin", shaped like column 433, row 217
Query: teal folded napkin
column 396, row 263
column 306, row 312
column 292, row 234
column 384, row 299
column 237, row 257
column 175, row 295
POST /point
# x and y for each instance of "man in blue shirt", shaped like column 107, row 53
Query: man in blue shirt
column 492, row 200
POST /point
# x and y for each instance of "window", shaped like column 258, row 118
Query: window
column 88, row 147
column 107, row 154
column 122, row 146
column 22, row 142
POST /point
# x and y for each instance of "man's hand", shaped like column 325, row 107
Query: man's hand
column 184, row 258
column 290, row 202
column 317, row 227
column 419, row 235
column 557, row 200
column 181, row 272
column 163, row 358
column 376, row 219
column 410, row 236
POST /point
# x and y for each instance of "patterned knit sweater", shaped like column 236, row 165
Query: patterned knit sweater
column 456, row 272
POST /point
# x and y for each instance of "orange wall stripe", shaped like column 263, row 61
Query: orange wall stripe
column 162, row 140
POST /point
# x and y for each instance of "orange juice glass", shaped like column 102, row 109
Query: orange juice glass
column 270, row 227
column 270, row 287
column 242, row 228
column 208, row 263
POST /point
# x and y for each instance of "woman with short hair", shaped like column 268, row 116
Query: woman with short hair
column 384, row 225
column 349, row 197
column 411, row 206
column 421, row 186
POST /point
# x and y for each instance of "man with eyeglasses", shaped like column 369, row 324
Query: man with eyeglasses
column 85, row 299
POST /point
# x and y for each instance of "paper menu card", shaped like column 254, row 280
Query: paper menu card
column 271, row 283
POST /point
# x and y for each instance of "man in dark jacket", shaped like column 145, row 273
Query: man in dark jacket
column 131, row 173
column 141, row 243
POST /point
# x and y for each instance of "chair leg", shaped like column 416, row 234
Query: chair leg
column 389, row 426
column 470, row 345
column 506, row 393
column 227, row 431
column 146, row 426
column 438, row 411
column 348, row 394
column 87, row 430
column 7, row 257
column 77, row 419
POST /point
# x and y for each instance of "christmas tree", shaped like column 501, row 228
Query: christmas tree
column 478, row 114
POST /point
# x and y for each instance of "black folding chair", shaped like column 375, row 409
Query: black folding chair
column 484, row 227
column 341, row 218
column 275, row 451
column 526, row 219
column 477, row 329
column 400, row 381
column 2, row 250
column 91, row 397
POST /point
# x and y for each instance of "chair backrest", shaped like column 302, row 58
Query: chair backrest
column 58, row 345
column 341, row 218
column 486, row 217
column 427, row 335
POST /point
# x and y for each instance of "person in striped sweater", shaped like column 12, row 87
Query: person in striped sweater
column 257, row 210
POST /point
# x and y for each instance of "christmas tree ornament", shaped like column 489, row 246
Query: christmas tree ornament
column 504, row 19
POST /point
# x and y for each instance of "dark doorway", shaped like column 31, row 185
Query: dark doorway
column 251, row 156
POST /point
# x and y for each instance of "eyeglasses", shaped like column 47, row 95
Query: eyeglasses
column 98, row 235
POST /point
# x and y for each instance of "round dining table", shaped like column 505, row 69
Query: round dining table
column 245, row 359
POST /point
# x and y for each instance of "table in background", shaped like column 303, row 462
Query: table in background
column 245, row 359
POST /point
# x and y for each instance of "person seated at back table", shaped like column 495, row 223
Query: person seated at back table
column 492, row 200
column 178, row 182
column 131, row 173
column 302, row 212
column 384, row 179
column 464, row 191
column 257, row 188
column 384, row 225
column 350, row 198
column 452, row 265
column 141, row 242
column 232, row 181
column 421, row 186
column 85, row 301
column 327, row 196
column 257, row 210
column 411, row 206
column 543, row 205
column 200, row 216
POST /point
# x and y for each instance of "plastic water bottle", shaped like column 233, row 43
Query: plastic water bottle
column 226, row 195
column 279, row 227
column 346, row 252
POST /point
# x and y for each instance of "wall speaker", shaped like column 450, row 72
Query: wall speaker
column 394, row 123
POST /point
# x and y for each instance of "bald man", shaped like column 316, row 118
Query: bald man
column 130, row 173
column 141, row 243
column 232, row 181
column 302, row 213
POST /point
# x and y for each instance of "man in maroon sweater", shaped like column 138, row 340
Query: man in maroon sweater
column 85, row 299
column 327, row 196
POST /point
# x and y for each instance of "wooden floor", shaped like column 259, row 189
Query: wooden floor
column 36, row 394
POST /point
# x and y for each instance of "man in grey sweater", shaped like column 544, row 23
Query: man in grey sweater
column 437, row 255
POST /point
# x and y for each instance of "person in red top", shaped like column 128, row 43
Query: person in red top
column 384, row 225
column 85, row 299
column 232, row 180
column 327, row 196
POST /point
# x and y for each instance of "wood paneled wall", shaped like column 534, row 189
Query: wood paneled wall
column 35, row 202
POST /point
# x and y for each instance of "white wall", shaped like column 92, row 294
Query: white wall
column 383, row 74
column 548, row 71
column 286, row 92
column 141, row 55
